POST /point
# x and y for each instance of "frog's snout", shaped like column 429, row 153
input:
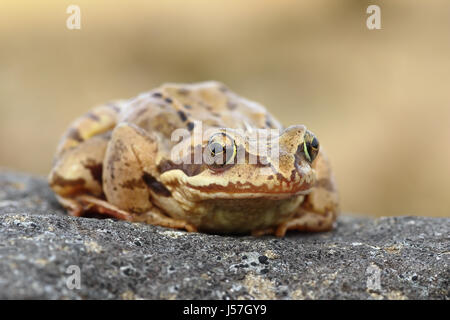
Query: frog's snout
column 291, row 138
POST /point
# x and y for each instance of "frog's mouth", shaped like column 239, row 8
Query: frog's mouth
column 248, row 190
column 207, row 187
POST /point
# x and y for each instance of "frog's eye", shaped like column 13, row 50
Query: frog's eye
column 220, row 151
column 310, row 146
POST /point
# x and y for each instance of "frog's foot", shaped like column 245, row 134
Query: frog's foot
column 73, row 207
column 262, row 232
column 93, row 204
column 307, row 221
column 84, row 204
column 155, row 217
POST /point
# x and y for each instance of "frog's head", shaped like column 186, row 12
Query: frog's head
column 234, row 167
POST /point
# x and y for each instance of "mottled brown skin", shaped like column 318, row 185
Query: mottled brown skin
column 116, row 160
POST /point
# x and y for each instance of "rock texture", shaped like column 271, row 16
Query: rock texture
column 387, row 258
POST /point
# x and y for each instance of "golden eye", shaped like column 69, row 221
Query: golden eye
column 310, row 146
column 221, row 151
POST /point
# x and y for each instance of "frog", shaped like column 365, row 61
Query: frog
column 123, row 160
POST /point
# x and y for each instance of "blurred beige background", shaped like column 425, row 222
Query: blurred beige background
column 379, row 100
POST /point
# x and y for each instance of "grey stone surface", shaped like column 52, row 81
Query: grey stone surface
column 386, row 258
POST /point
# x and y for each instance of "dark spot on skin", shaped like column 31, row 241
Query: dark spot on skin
column 156, row 186
column 270, row 177
column 133, row 183
column 168, row 100
column 75, row 135
column 63, row 182
column 188, row 169
column 93, row 116
column 188, row 106
column 268, row 123
column 293, row 173
column 223, row 89
column 113, row 107
column 190, row 126
column 70, row 186
column 183, row 91
column 119, row 148
column 280, row 176
column 95, row 168
column 157, row 95
column 182, row 115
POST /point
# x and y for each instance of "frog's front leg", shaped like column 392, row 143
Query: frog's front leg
column 78, row 171
column 320, row 208
column 129, row 177
column 153, row 216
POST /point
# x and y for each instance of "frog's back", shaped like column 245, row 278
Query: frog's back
column 169, row 107
column 173, row 106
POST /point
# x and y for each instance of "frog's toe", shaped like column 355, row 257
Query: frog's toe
column 262, row 232
column 155, row 217
column 73, row 207
column 307, row 221
column 85, row 204
column 95, row 205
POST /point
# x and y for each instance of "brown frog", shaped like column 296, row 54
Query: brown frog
column 184, row 156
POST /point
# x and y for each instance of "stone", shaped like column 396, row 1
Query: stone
column 45, row 254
